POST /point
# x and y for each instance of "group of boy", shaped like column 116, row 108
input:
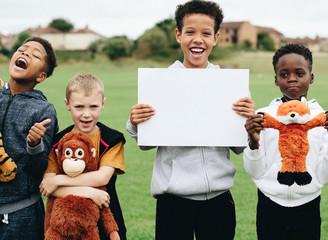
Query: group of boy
column 191, row 184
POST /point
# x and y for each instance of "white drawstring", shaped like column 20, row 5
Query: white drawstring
column 5, row 219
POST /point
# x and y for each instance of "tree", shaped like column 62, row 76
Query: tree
column 20, row 39
column 152, row 42
column 95, row 47
column 168, row 26
column 265, row 42
column 118, row 46
column 61, row 24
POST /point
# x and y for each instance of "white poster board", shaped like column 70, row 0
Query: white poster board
column 193, row 106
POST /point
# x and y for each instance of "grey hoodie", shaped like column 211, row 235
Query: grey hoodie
column 18, row 114
column 198, row 173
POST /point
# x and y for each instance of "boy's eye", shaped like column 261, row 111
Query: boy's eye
column 283, row 75
column 300, row 74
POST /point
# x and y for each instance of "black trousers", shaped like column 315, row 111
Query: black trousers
column 181, row 219
column 287, row 223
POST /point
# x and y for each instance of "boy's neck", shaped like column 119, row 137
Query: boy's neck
column 17, row 87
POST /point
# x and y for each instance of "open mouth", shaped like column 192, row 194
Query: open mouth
column 21, row 63
column 197, row 51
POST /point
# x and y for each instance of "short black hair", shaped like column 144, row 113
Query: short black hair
column 209, row 8
column 51, row 59
column 293, row 48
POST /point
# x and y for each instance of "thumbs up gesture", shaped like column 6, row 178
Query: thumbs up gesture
column 37, row 132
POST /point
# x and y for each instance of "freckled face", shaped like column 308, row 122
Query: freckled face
column 293, row 76
column 197, row 39
column 85, row 111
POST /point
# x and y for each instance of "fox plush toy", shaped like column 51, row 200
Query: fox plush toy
column 293, row 123
column 8, row 168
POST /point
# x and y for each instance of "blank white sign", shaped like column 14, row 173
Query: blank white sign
column 193, row 106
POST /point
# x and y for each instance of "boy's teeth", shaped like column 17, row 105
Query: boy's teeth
column 197, row 50
column 21, row 62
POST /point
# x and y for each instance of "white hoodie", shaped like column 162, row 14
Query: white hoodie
column 264, row 163
column 198, row 173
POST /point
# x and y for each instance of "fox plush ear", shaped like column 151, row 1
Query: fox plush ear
column 8, row 168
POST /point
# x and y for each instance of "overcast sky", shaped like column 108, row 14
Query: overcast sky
column 293, row 18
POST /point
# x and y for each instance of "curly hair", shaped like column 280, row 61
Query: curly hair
column 209, row 8
column 51, row 59
column 293, row 48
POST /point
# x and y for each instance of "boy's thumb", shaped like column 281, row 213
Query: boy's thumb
column 45, row 122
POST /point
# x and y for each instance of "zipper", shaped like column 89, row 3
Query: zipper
column 6, row 112
column 205, row 174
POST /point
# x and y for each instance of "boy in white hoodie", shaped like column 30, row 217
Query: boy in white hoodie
column 287, row 212
column 191, row 184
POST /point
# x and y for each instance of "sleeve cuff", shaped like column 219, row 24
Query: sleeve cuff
column 36, row 149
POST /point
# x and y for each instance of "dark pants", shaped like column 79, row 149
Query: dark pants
column 115, row 207
column 287, row 223
column 180, row 218
column 27, row 223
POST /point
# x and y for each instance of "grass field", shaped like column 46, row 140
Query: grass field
column 120, row 81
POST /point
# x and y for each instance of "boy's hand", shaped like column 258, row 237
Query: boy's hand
column 244, row 107
column 326, row 123
column 141, row 113
column 99, row 197
column 48, row 185
column 37, row 132
column 114, row 236
column 253, row 127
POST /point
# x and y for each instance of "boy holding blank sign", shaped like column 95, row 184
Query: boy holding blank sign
column 191, row 184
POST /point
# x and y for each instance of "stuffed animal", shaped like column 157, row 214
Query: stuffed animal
column 293, row 124
column 8, row 168
column 74, row 217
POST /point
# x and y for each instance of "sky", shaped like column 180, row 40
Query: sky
column 293, row 18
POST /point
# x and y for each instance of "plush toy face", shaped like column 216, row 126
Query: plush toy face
column 76, row 154
column 293, row 111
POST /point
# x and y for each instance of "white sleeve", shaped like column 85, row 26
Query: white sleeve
column 133, row 131
column 322, row 166
column 254, row 162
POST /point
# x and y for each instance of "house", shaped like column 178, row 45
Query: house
column 312, row 44
column 8, row 41
column 276, row 36
column 237, row 33
column 74, row 40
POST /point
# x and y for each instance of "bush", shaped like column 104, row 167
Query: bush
column 118, row 47
column 152, row 42
column 265, row 42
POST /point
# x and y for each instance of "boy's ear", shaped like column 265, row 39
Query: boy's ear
column 311, row 78
column 178, row 35
column 67, row 104
column 42, row 76
column 103, row 103
column 275, row 80
column 216, row 38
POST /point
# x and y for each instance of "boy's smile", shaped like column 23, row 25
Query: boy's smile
column 293, row 76
column 85, row 110
column 197, row 39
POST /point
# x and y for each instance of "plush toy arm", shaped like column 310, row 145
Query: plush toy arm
column 270, row 122
column 8, row 168
column 317, row 121
column 107, row 221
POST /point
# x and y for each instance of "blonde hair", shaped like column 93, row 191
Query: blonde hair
column 86, row 83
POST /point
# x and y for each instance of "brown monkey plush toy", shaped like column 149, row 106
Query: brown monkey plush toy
column 74, row 217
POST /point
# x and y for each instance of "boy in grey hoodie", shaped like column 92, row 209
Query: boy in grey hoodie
column 191, row 184
column 27, row 124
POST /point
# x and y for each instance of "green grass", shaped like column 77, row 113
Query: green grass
column 120, row 80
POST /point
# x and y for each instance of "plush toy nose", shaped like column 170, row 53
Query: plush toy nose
column 292, row 114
